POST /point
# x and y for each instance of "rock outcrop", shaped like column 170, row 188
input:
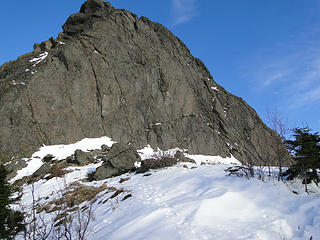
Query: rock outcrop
column 110, row 73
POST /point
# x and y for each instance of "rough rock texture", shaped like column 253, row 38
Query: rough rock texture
column 119, row 159
column 43, row 170
column 148, row 164
column 13, row 166
column 180, row 156
column 113, row 74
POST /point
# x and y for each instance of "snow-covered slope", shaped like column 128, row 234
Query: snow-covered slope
column 189, row 201
column 204, row 203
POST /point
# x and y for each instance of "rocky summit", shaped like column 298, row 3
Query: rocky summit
column 111, row 73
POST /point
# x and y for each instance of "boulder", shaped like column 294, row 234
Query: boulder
column 43, row 170
column 105, row 171
column 83, row 158
column 119, row 159
column 182, row 158
column 148, row 164
column 48, row 158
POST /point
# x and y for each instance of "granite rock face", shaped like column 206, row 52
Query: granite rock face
column 113, row 74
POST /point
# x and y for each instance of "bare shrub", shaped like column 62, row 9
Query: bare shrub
column 161, row 154
column 276, row 123
column 62, row 218
column 57, row 170
column 241, row 171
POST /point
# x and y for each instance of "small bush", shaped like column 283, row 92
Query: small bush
column 241, row 171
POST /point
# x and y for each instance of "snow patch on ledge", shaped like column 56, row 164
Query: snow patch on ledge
column 39, row 59
column 148, row 152
column 63, row 151
column 213, row 159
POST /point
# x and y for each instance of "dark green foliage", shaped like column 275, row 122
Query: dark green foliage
column 306, row 154
column 11, row 222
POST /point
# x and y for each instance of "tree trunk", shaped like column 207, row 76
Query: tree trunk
column 305, row 182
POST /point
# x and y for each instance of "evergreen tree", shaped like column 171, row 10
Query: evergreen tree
column 11, row 222
column 306, row 154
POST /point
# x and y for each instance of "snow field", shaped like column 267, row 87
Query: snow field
column 203, row 203
column 194, row 203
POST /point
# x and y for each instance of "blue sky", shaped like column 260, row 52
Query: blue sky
column 267, row 52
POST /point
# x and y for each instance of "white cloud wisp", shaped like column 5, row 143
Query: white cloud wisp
column 183, row 11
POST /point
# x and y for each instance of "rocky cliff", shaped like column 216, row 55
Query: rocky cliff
column 113, row 74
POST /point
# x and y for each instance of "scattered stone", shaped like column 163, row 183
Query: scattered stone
column 124, row 179
column 147, row 175
column 71, row 160
column 126, row 197
column 105, row 148
column 48, row 158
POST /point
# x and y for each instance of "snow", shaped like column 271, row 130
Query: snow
column 213, row 159
column 39, row 59
column 17, row 83
column 63, row 151
column 33, row 165
column 214, row 88
column 60, row 152
column 204, row 203
column 187, row 201
column 148, row 152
